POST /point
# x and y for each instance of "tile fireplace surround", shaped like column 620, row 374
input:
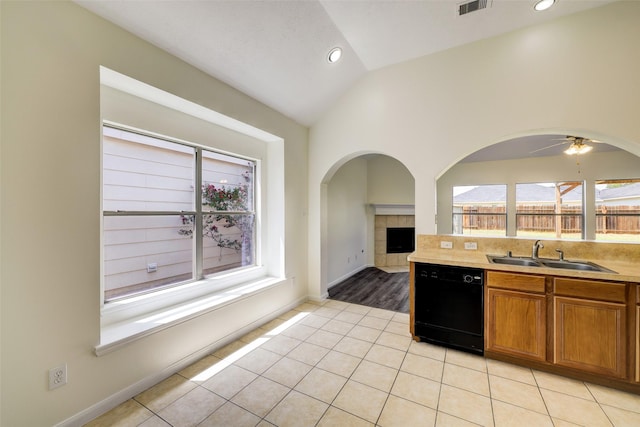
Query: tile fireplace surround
column 382, row 222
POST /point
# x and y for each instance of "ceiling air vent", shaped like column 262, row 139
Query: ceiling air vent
column 471, row 6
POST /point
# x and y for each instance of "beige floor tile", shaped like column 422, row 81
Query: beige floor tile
column 258, row 360
column 260, row 396
column 230, row 414
column 325, row 339
column 273, row 324
column 563, row 385
column 308, row 353
column 166, row 392
column 335, row 417
column 349, row 316
column 192, row 408
column 428, row 350
column 339, row 363
column 289, row 314
column 401, row 317
column 327, row 312
column 229, row 381
column 399, row 342
column 338, row 305
column 154, row 421
column 401, row 413
column 359, row 309
column 385, row 356
column 297, row 410
column 299, row 332
column 399, row 328
column 416, row 389
column 281, row 344
column 467, row 379
column 574, row 409
column 229, row 349
column 381, row 313
column 364, row 333
column 253, row 335
column 615, row 398
column 200, row 366
column 353, row 346
column 467, row 360
column 621, row 417
column 129, row 413
column 375, row 375
column 307, row 307
column 506, row 415
column 373, row 322
column 562, row 423
column 423, row 366
column 337, row 326
column 466, row 405
column 517, row 393
column 314, row 320
column 512, row 372
column 287, row 372
column 361, row 400
column 446, row 420
column 321, row 384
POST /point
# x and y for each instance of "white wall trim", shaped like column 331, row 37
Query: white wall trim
column 129, row 392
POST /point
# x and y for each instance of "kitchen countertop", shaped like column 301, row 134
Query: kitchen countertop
column 622, row 258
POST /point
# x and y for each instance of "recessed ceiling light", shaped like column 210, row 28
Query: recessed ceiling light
column 334, row 55
column 543, row 5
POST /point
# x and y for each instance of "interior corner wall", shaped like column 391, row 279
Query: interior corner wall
column 389, row 182
column 347, row 220
column 593, row 166
column 50, row 219
column 577, row 72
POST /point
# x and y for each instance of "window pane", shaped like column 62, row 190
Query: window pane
column 142, row 173
column 480, row 210
column 618, row 210
column 227, row 183
column 142, row 253
column 228, row 242
column 549, row 210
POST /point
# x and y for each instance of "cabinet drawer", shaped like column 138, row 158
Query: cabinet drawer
column 590, row 289
column 515, row 281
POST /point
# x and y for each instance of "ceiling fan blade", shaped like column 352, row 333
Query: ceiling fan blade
column 547, row 147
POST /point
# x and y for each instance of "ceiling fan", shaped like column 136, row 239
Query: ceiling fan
column 577, row 145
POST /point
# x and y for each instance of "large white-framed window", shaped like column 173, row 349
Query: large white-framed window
column 173, row 213
column 243, row 253
column 480, row 210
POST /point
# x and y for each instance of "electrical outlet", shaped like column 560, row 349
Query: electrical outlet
column 471, row 246
column 57, row 377
column 152, row 268
column 446, row 245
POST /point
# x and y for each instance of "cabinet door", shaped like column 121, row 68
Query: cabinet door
column 515, row 323
column 590, row 336
column 638, row 341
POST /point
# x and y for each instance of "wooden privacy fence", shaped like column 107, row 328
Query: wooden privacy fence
column 609, row 219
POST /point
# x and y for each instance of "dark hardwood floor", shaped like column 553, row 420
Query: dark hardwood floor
column 374, row 288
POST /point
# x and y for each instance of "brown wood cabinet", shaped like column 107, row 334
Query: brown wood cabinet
column 515, row 315
column 590, row 326
column 637, row 337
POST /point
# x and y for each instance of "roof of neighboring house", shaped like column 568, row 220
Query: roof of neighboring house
column 632, row 190
column 526, row 193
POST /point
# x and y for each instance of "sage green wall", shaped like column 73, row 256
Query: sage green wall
column 50, row 218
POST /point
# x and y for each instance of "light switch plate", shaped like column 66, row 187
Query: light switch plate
column 471, row 246
column 446, row 245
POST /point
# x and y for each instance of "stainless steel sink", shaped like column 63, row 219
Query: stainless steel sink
column 524, row 262
column 545, row 262
column 575, row 265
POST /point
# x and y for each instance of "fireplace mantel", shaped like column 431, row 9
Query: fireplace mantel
column 393, row 209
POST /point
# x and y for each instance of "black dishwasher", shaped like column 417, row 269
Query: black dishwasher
column 449, row 306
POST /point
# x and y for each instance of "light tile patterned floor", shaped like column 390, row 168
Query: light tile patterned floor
column 340, row 364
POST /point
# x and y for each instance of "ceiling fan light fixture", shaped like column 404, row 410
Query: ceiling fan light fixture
column 576, row 148
column 543, row 5
column 334, row 55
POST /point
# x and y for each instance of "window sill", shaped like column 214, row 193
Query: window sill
column 116, row 335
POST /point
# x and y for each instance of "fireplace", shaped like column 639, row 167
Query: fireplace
column 398, row 224
column 400, row 240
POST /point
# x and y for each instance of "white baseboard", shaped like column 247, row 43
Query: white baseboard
column 346, row 276
column 133, row 390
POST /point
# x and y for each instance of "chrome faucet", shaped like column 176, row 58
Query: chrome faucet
column 536, row 247
column 560, row 254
